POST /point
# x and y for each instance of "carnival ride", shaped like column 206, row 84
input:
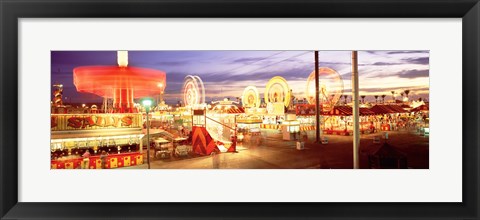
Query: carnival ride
column 57, row 93
column 277, row 91
column 330, row 88
column 122, row 83
column 193, row 91
column 216, row 130
column 250, row 97
column 251, row 120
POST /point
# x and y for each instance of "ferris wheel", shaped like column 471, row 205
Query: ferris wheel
column 277, row 90
column 193, row 91
column 330, row 88
column 251, row 97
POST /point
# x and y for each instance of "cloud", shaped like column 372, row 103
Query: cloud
column 334, row 63
column 411, row 74
column 372, row 51
column 383, row 64
column 407, row 51
column 176, row 76
column 418, row 60
column 172, row 63
column 248, row 60
column 387, row 91
column 288, row 74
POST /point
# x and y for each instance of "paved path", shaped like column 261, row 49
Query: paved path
column 269, row 151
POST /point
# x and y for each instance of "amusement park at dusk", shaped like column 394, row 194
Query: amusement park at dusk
column 240, row 109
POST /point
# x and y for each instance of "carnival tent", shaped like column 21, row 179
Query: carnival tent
column 347, row 111
column 387, row 109
column 421, row 108
column 396, row 108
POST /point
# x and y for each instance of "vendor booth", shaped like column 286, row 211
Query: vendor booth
column 119, row 135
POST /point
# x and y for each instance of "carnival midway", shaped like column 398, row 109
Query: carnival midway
column 134, row 128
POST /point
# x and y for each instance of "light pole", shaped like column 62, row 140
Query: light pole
column 355, row 112
column 160, row 85
column 147, row 103
column 317, row 101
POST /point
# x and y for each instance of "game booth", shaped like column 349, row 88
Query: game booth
column 119, row 135
column 339, row 121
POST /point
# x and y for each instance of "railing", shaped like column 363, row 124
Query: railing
column 220, row 123
column 214, row 131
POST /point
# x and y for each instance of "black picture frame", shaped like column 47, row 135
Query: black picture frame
column 12, row 10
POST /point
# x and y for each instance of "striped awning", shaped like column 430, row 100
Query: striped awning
column 347, row 111
column 387, row 109
column 421, row 108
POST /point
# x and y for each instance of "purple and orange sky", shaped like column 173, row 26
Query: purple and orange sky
column 227, row 73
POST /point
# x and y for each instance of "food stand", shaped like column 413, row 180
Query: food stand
column 119, row 135
column 290, row 128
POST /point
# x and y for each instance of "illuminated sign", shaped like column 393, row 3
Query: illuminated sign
column 59, row 122
column 276, row 108
column 199, row 112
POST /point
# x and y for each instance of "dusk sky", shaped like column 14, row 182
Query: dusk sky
column 227, row 73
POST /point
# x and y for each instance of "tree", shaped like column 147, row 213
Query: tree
column 383, row 98
column 401, row 95
column 363, row 98
column 406, row 92
column 376, row 97
column 393, row 95
column 345, row 99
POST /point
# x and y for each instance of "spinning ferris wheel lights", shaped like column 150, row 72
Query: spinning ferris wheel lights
column 251, row 97
column 330, row 88
column 193, row 91
column 277, row 90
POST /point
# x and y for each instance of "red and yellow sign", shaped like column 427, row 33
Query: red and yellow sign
column 60, row 122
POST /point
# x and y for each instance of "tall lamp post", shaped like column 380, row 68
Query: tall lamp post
column 317, row 101
column 160, row 85
column 147, row 103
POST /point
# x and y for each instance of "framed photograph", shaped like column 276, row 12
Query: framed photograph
column 226, row 109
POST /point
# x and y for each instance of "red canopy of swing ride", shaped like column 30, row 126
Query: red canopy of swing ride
column 123, row 84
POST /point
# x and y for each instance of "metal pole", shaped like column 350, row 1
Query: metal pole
column 235, row 133
column 356, row 123
column 317, row 101
column 148, row 140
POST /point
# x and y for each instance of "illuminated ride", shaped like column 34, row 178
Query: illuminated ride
column 213, row 129
column 330, row 88
column 250, row 97
column 193, row 91
column 122, row 83
column 221, row 122
column 120, row 135
column 277, row 91
column 57, row 93
column 251, row 120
